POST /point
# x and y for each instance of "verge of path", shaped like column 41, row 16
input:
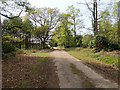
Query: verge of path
column 70, row 80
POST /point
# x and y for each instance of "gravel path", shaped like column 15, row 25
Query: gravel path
column 70, row 80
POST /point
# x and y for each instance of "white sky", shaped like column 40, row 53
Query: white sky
column 63, row 4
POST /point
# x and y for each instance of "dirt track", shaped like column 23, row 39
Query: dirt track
column 67, row 77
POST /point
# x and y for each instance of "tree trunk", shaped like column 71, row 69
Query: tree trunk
column 20, row 44
column 74, row 33
column 26, row 42
column 95, row 28
column 94, row 21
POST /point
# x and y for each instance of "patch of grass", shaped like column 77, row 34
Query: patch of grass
column 109, row 59
column 81, row 53
column 94, row 55
column 86, row 83
column 60, row 47
column 86, row 54
column 69, row 49
column 76, row 71
column 41, row 54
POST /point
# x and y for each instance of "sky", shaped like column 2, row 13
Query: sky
column 63, row 4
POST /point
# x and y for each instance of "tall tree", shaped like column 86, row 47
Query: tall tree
column 63, row 35
column 27, row 30
column 45, row 17
column 16, row 31
column 109, row 22
column 11, row 29
column 118, row 20
column 94, row 14
column 75, row 16
column 41, row 33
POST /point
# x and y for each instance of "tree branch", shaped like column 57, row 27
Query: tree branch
column 88, row 6
column 12, row 16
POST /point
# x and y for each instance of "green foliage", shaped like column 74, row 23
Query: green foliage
column 11, row 30
column 79, row 40
column 37, row 47
column 95, row 55
column 113, row 45
column 91, row 43
column 53, row 43
column 8, row 55
column 109, row 22
column 102, row 56
column 110, row 59
column 42, row 54
column 42, row 33
column 102, row 42
column 86, row 39
column 8, row 47
column 51, row 48
column 86, row 54
column 4, row 55
column 63, row 34
column 13, row 54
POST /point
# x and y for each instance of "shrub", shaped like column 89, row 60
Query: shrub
column 78, row 40
column 86, row 39
column 112, row 45
column 101, row 42
column 7, row 47
column 37, row 47
column 5, row 55
column 51, row 48
column 8, row 55
column 91, row 43
column 13, row 54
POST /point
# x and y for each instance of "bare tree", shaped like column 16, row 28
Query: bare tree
column 94, row 16
column 13, row 8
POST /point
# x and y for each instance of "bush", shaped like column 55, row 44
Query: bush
column 8, row 55
column 91, row 43
column 4, row 55
column 51, row 48
column 37, row 47
column 112, row 45
column 78, row 40
column 7, row 47
column 13, row 54
column 86, row 39
column 101, row 42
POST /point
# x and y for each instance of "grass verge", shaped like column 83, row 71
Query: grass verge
column 86, row 54
column 41, row 54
